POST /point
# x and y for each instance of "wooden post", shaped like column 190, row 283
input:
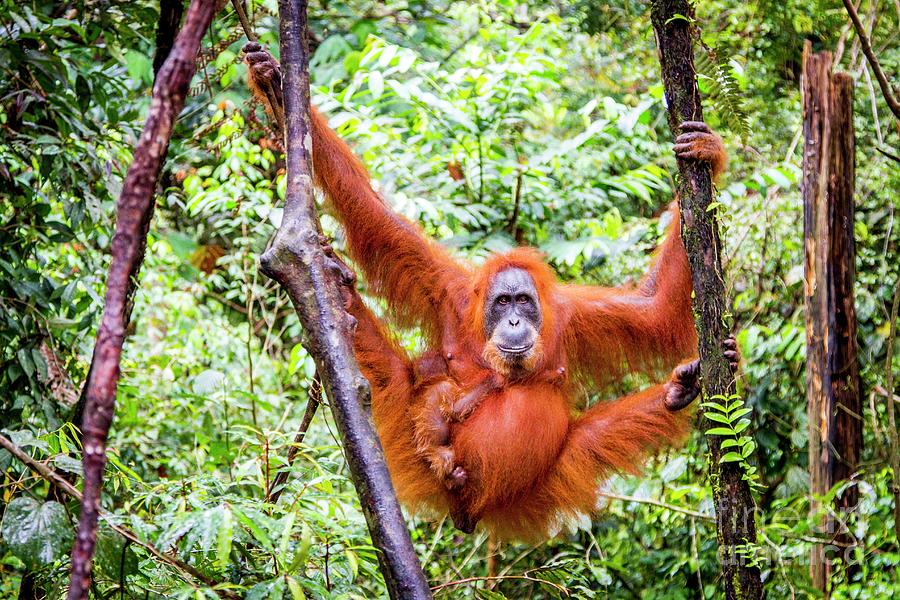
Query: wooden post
column 735, row 507
column 834, row 401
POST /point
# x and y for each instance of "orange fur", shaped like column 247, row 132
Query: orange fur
column 533, row 461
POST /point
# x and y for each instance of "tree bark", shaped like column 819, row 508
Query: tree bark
column 133, row 213
column 735, row 508
column 297, row 260
column 834, row 399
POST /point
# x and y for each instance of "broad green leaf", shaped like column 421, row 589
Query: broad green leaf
column 740, row 413
column 109, row 556
column 37, row 533
column 286, row 532
column 742, row 425
column 295, row 589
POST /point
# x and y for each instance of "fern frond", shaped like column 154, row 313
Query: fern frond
column 723, row 91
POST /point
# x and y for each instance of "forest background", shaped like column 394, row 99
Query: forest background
column 490, row 123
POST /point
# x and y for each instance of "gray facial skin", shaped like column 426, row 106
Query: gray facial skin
column 512, row 313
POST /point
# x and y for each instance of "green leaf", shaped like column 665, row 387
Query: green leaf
column 719, row 431
column 296, row 590
column 731, row 457
column 674, row 469
column 261, row 536
column 37, row 533
column 302, row 552
column 376, row 84
column 748, row 449
column 740, row 413
column 109, row 557
column 354, row 562
column 139, row 66
column 225, row 537
column 207, row 382
column 26, row 361
column 718, row 418
column 286, row 532
column 742, row 425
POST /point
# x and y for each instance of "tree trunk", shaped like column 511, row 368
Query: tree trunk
column 133, row 213
column 834, row 400
column 297, row 260
column 735, row 508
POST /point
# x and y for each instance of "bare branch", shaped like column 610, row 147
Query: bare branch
column 245, row 22
column 883, row 83
column 313, row 400
column 652, row 502
column 891, row 410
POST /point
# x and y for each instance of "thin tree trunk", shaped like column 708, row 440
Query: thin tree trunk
column 734, row 503
column 298, row 262
column 133, row 213
column 834, row 398
column 170, row 13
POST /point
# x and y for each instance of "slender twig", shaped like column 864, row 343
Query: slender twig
column 893, row 157
column 245, row 22
column 460, row 46
column 874, row 103
column 60, row 482
column 892, row 423
column 883, row 392
column 883, row 82
column 313, row 400
column 652, row 502
column 517, row 200
column 842, row 40
column 134, row 209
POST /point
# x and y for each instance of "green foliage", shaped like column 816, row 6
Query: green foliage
column 715, row 74
column 729, row 416
column 467, row 114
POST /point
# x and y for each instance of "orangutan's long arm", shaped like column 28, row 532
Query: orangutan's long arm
column 417, row 277
column 615, row 330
